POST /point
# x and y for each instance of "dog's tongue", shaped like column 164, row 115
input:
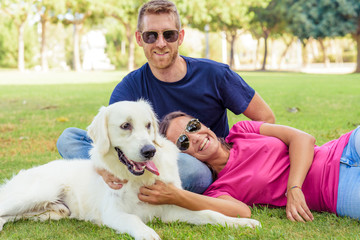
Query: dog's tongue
column 150, row 166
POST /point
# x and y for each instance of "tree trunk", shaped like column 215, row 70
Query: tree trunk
column 281, row 59
column 304, row 54
column 325, row 56
column 266, row 36
column 256, row 53
column 131, row 57
column 232, row 46
column 44, row 63
column 21, row 47
column 357, row 39
column 76, row 54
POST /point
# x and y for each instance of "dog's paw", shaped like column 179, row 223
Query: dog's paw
column 146, row 234
column 247, row 222
column 2, row 222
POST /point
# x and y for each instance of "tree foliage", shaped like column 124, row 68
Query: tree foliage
column 320, row 19
column 304, row 19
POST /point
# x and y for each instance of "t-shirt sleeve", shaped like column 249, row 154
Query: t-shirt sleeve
column 246, row 127
column 236, row 93
column 122, row 92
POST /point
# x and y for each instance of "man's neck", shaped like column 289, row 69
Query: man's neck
column 173, row 73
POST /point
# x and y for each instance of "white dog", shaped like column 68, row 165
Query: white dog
column 127, row 144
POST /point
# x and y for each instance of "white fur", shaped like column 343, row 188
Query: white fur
column 72, row 188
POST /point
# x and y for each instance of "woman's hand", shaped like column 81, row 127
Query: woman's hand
column 296, row 207
column 112, row 181
column 162, row 193
column 158, row 193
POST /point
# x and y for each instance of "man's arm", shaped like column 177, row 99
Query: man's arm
column 258, row 110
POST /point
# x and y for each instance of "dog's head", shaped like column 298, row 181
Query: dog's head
column 128, row 130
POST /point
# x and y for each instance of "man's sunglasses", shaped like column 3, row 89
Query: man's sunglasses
column 183, row 141
column 169, row 36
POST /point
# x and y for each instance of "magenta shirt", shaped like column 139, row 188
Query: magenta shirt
column 258, row 168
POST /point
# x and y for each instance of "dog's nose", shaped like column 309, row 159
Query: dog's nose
column 148, row 151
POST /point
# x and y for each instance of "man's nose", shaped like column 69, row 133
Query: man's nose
column 161, row 42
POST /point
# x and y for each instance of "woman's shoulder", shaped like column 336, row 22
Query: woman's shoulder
column 246, row 127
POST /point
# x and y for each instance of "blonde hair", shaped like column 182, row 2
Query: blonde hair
column 158, row 7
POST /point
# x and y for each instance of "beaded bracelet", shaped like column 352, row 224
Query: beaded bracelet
column 292, row 188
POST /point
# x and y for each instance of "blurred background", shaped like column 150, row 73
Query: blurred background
column 277, row 35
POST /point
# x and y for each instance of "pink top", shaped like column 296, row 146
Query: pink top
column 258, row 168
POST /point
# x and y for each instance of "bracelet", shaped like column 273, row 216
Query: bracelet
column 292, row 188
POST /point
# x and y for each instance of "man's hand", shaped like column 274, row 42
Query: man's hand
column 112, row 181
column 296, row 207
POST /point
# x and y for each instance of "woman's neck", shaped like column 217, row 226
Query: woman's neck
column 220, row 160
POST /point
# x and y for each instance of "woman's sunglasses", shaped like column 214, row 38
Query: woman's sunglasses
column 169, row 36
column 183, row 141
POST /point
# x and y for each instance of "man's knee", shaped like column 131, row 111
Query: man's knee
column 195, row 175
column 64, row 138
column 74, row 143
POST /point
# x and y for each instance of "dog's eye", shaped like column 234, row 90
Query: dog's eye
column 148, row 126
column 126, row 126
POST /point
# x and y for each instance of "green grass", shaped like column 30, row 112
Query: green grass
column 33, row 116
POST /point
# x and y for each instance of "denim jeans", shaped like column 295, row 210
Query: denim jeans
column 195, row 176
column 348, row 202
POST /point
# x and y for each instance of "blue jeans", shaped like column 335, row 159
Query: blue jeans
column 348, row 202
column 195, row 175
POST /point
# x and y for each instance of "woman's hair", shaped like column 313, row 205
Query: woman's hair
column 158, row 7
column 165, row 123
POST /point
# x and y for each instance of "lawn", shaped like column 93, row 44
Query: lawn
column 32, row 116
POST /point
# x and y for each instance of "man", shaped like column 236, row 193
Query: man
column 199, row 87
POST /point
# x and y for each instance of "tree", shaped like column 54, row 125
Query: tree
column 8, row 47
column 269, row 20
column 19, row 11
column 48, row 11
column 126, row 13
column 78, row 12
column 324, row 18
column 229, row 16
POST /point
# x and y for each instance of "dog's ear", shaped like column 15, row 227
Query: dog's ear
column 98, row 131
column 154, row 120
column 155, row 124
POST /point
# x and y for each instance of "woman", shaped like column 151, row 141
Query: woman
column 267, row 164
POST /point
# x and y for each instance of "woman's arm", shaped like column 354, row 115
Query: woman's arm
column 301, row 153
column 161, row 193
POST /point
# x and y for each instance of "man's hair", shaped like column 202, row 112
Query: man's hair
column 158, row 7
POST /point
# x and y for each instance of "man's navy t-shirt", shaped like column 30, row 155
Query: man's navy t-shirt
column 206, row 91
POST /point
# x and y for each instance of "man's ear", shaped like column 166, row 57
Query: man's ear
column 181, row 36
column 138, row 38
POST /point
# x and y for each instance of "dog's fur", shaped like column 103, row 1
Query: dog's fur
column 72, row 188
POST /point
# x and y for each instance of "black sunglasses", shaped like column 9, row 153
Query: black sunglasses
column 183, row 141
column 169, row 36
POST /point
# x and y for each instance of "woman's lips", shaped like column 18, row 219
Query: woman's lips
column 204, row 143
